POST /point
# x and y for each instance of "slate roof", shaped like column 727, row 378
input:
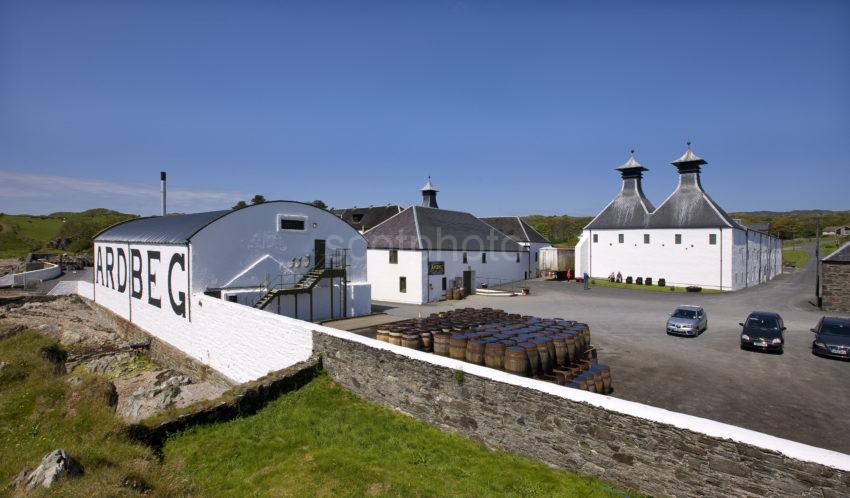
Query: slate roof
column 689, row 206
column 426, row 228
column 759, row 227
column 631, row 208
column 367, row 217
column 170, row 229
column 515, row 228
column 840, row 255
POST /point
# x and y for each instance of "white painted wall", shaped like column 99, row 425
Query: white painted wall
column 50, row 271
column 734, row 262
column 384, row 276
column 244, row 247
column 500, row 268
column 534, row 257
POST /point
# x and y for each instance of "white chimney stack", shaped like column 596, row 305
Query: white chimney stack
column 162, row 190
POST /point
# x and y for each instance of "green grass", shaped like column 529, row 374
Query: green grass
column 601, row 282
column 322, row 440
column 21, row 234
column 796, row 256
column 319, row 440
column 40, row 412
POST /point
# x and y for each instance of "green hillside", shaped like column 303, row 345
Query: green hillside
column 21, row 233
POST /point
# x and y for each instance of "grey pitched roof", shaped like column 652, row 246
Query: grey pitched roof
column 429, row 186
column 367, row 217
column 690, row 207
column 171, row 229
column 426, row 228
column 515, row 228
column 759, row 227
column 687, row 207
column 840, row 255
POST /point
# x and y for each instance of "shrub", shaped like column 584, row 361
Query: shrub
column 693, row 288
column 662, row 282
column 648, row 281
column 628, row 280
column 639, row 281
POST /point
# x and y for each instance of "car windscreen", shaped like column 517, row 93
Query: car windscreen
column 762, row 322
column 835, row 328
column 684, row 314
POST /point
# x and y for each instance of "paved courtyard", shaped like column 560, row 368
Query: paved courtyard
column 796, row 395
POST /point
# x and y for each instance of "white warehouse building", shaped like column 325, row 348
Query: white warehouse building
column 688, row 240
column 526, row 236
column 285, row 257
column 423, row 251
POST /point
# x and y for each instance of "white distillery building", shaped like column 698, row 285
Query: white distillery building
column 523, row 234
column 687, row 240
column 416, row 255
column 285, row 257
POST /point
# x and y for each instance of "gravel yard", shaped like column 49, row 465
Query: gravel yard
column 795, row 395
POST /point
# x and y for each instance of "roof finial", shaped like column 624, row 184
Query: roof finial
column 689, row 144
column 633, row 152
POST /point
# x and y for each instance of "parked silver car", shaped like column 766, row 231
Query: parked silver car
column 687, row 320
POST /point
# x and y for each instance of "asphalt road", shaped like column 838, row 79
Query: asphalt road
column 796, row 395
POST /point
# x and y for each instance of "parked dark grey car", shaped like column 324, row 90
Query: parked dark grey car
column 763, row 330
column 832, row 337
column 687, row 320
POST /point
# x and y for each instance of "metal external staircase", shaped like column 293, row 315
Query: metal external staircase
column 304, row 285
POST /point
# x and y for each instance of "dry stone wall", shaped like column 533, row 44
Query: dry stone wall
column 630, row 451
column 836, row 287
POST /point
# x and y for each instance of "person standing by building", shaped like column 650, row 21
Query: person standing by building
column 586, row 281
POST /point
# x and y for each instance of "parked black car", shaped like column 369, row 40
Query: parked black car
column 832, row 337
column 763, row 330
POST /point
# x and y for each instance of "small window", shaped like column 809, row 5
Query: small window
column 646, row 238
column 291, row 224
column 712, row 239
column 483, row 257
column 464, row 258
column 678, row 238
column 232, row 299
column 357, row 217
column 402, row 284
column 517, row 257
column 621, row 238
column 536, row 257
column 444, row 283
column 393, row 256
column 596, row 237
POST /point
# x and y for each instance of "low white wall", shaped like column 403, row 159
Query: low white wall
column 69, row 287
column 49, row 272
column 698, row 425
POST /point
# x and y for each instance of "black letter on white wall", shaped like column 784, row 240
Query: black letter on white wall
column 99, row 272
column 152, row 256
column 109, row 264
column 136, row 291
column 178, row 307
column 121, row 262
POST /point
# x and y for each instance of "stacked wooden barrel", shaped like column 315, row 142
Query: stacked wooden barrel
column 552, row 349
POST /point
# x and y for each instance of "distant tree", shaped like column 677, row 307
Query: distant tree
column 543, row 229
column 319, row 204
column 258, row 199
column 240, row 205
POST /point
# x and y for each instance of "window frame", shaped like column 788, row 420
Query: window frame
column 483, row 258
column 712, row 239
column 281, row 218
column 677, row 239
column 393, row 256
column 402, row 285
column 646, row 238
column 621, row 238
column 595, row 238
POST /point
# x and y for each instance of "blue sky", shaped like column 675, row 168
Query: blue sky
column 511, row 107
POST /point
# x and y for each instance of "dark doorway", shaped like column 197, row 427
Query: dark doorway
column 319, row 250
column 468, row 277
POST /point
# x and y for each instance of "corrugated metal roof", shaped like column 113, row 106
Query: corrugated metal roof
column 170, row 229
column 426, row 228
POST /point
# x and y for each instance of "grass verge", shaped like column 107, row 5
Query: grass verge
column 318, row 440
column 601, row 282
column 41, row 411
column 322, row 440
column 796, row 256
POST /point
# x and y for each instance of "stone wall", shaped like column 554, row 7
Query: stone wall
column 835, row 286
column 540, row 420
